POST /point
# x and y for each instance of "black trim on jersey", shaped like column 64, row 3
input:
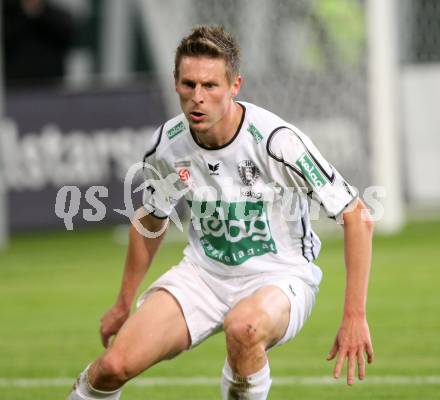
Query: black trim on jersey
column 281, row 160
column 302, row 239
column 156, row 216
column 330, row 178
column 347, row 188
column 310, row 195
column 153, row 211
column 150, row 152
column 226, row 144
column 311, row 248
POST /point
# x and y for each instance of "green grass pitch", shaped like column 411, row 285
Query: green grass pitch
column 55, row 286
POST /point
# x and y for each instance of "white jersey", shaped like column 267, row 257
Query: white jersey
column 250, row 198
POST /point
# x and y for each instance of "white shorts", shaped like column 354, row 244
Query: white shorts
column 206, row 298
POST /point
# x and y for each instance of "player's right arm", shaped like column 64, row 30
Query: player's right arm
column 141, row 251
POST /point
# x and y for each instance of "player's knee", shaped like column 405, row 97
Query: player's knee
column 246, row 331
column 113, row 367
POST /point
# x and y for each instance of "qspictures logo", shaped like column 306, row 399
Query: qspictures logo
column 230, row 232
column 311, row 171
column 234, row 232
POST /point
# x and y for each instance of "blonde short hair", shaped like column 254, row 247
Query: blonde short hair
column 210, row 41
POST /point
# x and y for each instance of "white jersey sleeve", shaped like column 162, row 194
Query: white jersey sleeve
column 311, row 170
column 161, row 188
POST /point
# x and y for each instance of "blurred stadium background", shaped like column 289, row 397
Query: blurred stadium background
column 86, row 82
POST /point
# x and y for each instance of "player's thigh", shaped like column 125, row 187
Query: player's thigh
column 267, row 310
column 155, row 332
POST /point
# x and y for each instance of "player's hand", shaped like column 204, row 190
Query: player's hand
column 352, row 341
column 112, row 321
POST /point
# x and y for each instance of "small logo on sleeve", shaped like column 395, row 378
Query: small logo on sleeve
column 255, row 133
column 175, row 130
column 311, row 171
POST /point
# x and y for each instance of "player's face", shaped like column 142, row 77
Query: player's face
column 206, row 95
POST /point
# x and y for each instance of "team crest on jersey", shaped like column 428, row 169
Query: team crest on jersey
column 249, row 172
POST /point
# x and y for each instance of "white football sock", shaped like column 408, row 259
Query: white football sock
column 252, row 387
column 82, row 390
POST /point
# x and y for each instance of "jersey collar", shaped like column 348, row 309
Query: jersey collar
column 227, row 143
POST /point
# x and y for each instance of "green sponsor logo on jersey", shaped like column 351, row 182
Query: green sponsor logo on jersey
column 311, row 171
column 234, row 232
column 175, row 130
column 255, row 133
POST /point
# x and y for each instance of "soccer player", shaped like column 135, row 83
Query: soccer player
column 249, row 266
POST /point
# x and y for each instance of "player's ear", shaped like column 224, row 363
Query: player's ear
column 236, row 84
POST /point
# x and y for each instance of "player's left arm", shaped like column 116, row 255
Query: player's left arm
column 353, row 337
